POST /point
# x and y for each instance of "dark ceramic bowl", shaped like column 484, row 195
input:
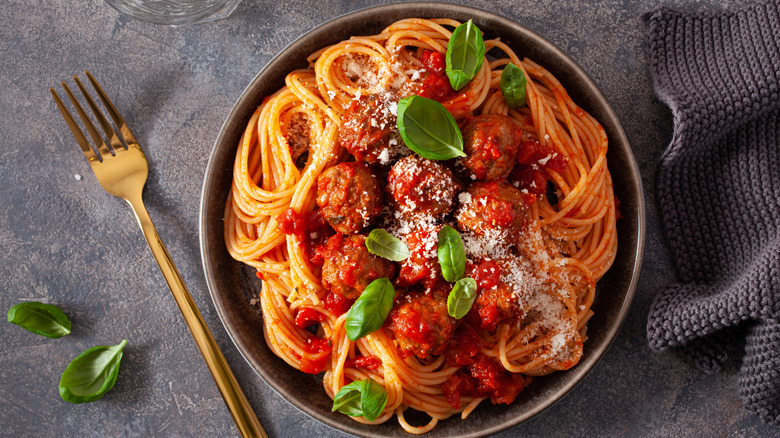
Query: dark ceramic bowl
column 232, row 284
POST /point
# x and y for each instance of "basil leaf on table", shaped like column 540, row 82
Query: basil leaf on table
column 465, row 53
column 451, row 253
column 361, row 398
column 370, row 310
column 383, row 244
column 513, row 85
column 43, row 319
column 429, row 129
column 91, row 374
column 461, row 297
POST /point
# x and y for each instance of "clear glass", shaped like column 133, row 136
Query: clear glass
column 175, row 12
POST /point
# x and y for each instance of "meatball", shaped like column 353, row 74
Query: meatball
column 493, row 208
column 368, row 129
column 349, row 196
column 421, row 186
column 490, row 142
column 420, row 323
column 349, row 267
column 422, row 265
column 495, row 301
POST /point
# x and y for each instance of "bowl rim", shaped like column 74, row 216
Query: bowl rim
column 594, row 354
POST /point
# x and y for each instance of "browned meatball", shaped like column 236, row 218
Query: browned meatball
column 422, row 265
column 495, row 301
column 368, row 129
column 349, row 267
column 420, row 323
column 349, row 196
column 490, row 142
column 493, row 208
column 421, row 186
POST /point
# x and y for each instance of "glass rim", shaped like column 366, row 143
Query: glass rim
column 136, row 11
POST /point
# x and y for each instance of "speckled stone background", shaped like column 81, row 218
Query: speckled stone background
column 63, row 240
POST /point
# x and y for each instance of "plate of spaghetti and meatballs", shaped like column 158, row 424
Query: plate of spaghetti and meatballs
column 422, row 219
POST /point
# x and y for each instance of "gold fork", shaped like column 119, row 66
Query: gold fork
column 122, row 172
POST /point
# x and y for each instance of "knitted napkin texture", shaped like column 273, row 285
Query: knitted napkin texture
column 718, row 192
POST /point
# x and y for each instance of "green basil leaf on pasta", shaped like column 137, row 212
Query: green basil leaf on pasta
column 370, row 310
column 461, row 297
column 373, row 399
column 451, row 253
column 428, row 129
column 513, row 86
column 347, row 400
column 465, row 53
column 91, row 374
column 361, row 398
column 383, row 244
column 43, row 319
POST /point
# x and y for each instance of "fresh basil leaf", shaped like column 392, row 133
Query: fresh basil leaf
column 461, row 297
column 361, row 398
column 513, row 85
column 370, row 310
column 451, row 253
column 373, row 399
column 91, row 374
column 429, row 129
column 43, row 319
column 465, row 53
column 347, row 400
column 380, row 242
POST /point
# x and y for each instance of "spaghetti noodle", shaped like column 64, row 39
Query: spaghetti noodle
column 536, row 285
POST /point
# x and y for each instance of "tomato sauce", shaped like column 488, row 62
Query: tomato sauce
column 306, row 317
column 337, row 304
column 464, row 348
column 420, row 266
column 320, row 349
column 484, row 378
column 412, row 324
column 533, row 159
column 310, row 229
column 367, row 362
column 487, row 273
column 435, row 84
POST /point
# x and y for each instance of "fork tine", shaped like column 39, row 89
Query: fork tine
column 74, row 128
column 101, row 144
column 112, row 111
column 110, row 134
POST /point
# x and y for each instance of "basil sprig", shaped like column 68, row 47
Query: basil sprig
column 461, row 297
column 465, row 53
column 370, row 310
column 91, row 374
column 361, row 398
column 429, row 129
column 43, row 319
column 513, row 85
column 383, row 244
column 451, row 253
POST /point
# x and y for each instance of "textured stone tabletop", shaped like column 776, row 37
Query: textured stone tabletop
column 63, row 240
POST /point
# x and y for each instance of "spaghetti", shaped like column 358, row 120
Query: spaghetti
column 536, row 281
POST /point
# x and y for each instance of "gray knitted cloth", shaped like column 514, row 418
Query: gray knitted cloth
column 718, row 192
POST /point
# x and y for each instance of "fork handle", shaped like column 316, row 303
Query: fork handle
column 237, row 403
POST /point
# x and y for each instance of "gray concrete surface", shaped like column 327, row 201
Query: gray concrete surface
column 63, row 240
